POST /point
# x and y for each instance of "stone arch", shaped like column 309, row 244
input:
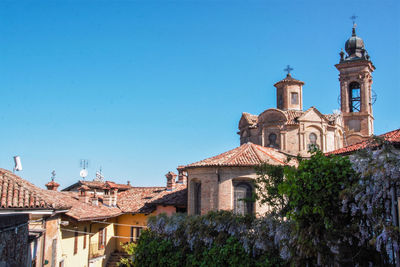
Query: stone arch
column 242, row 188
column 314, row 131
column 272, row 116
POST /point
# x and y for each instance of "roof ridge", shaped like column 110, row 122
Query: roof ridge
column 241, row 149
column 268, row 154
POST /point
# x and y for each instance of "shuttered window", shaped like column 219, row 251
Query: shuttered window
column 102, row 238
column 84, row 238
column 76, row 243
column 242, row 201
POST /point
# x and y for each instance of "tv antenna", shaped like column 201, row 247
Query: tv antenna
column 84, row 164
column 99, row 176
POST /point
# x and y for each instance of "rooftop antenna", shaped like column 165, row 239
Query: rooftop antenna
column 18, row 165
column 99, row 176
column 84, row 164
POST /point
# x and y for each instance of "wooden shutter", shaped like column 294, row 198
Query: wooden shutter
column 101, row 238
column 105, row 238
column 76, row 243
column 84, row 238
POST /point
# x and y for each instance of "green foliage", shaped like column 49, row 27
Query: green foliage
column 269, row 177
column 214, row 239
column 310, row 196
column 129, row 249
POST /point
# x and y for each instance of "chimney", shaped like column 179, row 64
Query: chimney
column 94, row 199
column 110, row 194
column 52, row 186
column 182, row 175
column 114, row 196
column 83, row 193
column 170, row 181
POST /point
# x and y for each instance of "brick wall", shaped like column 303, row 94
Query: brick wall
column 14, row 240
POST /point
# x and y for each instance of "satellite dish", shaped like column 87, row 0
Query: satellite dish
column 83, row 173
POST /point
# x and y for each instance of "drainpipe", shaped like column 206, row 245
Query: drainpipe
column 44, row 243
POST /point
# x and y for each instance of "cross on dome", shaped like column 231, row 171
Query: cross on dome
column 288, row 69
column 353, row 18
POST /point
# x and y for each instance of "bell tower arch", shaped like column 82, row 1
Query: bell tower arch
column 355, row 76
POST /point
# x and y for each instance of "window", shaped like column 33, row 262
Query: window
column 76, row 243
column 280, row 101
column 84, row 238
column 312, row 141
column 242, row 203
column 354, row 97
column 102, row 238
column 135, row 233
column 272, row 140
column 197, row 198
column 294, row 98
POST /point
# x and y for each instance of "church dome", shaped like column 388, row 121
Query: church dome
column 355, row 47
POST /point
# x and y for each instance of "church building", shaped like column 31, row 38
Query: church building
column 223, row 181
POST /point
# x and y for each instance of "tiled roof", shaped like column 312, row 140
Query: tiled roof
column 289, row 79
column 143, row 199
column 97, row 185
column 17, row 193
column 247, row 154
column 391, row 137
column 250, row 118
column 82, row 211
column 292, row 116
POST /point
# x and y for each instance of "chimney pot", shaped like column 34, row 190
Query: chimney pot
column 171, row 181
column 52, row 186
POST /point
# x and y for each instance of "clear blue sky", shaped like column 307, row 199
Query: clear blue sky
column 140, row 87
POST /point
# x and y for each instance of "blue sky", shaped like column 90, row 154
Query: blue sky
column 140, row 87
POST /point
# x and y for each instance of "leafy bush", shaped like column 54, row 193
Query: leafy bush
column 216, row 239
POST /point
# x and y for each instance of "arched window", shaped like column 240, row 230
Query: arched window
column 272, row 140
column 197, row 198
column 312, row 141
column 242, row 203
column 354, row 97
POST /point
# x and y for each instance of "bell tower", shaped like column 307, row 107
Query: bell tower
column 355, row 76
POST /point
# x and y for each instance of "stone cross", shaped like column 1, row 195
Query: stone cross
column 288, row 69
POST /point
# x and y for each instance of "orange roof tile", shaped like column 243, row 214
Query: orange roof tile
column 391, row 137
column 17, row 193
column 248, row 154
column 144, row 199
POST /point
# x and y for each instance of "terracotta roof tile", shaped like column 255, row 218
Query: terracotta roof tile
column 392, row 137
column 143, row 199
column 17, row 193
column 97, row 185
column 289, row 79
column 292, row 116
column 248, row 154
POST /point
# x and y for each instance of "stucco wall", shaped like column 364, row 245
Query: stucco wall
column 68, row 241
column 138, row 220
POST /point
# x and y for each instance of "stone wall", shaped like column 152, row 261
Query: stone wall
column 14, row 233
